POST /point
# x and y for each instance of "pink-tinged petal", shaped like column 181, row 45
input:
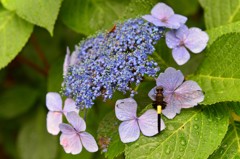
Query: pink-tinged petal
column 148, row 122
column 88, row 142
column 126, row 109
column 171, row 40
column 54, row 101
column 170, row 79
column 182, row 32
column 172, row 107
column 154, row 20
column 180, row 55
column 66, row 129
column 71, row 143
column 74, row 58
column 162, row 11
column 152, row 94
column 189, row 94
column 53, row 121
column 77, row 122
column 69, row 105
column 66, row 62
column 129, row 131
column 196, row 40
column 176, row 21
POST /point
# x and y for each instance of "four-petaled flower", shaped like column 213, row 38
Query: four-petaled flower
column 194, row 39
column 129, row 129
column 177, row 92
column 162, row 15
column 73, row 136
column 54, row 116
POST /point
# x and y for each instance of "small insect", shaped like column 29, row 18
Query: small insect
column 113, row 29
column 159, row 104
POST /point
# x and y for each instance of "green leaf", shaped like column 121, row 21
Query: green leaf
column 16, row 101
column 14, row 33
column 220, row 12
column 115, row 148
column 34, row 141
column 230, row 146
column 221, row 30
column 39, row 12
column 235, row 106
column 219, row 75
column 87, row 17
column 196, row 133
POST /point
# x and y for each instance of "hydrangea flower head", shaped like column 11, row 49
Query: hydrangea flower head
column 194, row 39
column 177, row 93
column 129, row 129
column 73, row 136
column 54, row 116
column 162, row 15
column 112, row 61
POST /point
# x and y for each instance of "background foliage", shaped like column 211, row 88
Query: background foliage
column 34, row 36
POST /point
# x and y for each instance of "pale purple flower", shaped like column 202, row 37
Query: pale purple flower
column 177, row 92
column 129, row 129
column 54, row 116
column 69, row 60
column 74, row 137
column 163, row 15
column 194, row 39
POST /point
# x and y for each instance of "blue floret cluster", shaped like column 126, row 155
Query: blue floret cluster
column 110, row 61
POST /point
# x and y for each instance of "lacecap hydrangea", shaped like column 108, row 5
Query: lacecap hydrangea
column 112, row 61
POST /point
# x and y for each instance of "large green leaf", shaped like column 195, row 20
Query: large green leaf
column 14, row 33
column 16, row 101
column 221, row 30
column 230, row 146
column 34, row 142
column 219, row 74
column 196, row 133
column 39, row 12
column 88, row 16
column 220, row 12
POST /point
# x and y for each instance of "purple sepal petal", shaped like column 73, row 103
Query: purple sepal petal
column 154, row 20
column 182, row 32
column 196, row 40
column 152, row 94
column 171, row 109
column 180, row 55
column 71, row 143
column 162, row 11
column 77, row 122
column 170, row 79
column 66, row 62
column 53, row 121
column 66, row 129
column 148, row 123
column 126, row 109
column 69, row 105
column 129, row 131
column 88, row 142
column 176, row 21
column 54, row 101
column 189, row 94
column 171, row 40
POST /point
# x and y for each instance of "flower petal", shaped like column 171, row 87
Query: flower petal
column 148, row 123
column 66, row 129
column 126, row 109
column 71, row 143
column 196, row 40
column 176, row 21
column 154, row 20
column 53, row 121
column 189, row 94
column 129, row 131
column 54, row 101
column 69, row 105
column 180, row 55
column 66, row 62
column 162, row 11
column 171, row 40
column 170, row 79
column 172, row 107
column 152, row 94
column 77, row 122
column 88, row 142
column 182, row 32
